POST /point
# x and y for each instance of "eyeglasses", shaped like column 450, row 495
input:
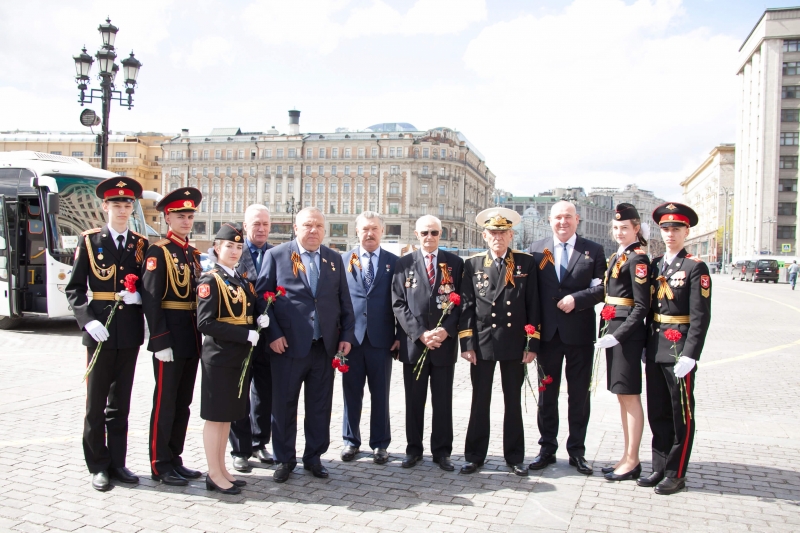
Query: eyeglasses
column 433, row 232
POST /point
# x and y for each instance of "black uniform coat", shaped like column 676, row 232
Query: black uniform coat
column 172, row 268
column 688, row 280
column 628, row 277
column 494, row 315
column 416, row 307
column 587, row 262
column 127, row 328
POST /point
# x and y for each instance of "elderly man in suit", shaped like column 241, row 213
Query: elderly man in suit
column 306, row 329
column 571, row 271
column 422, row 282
column 369, row 275
column 250, row 435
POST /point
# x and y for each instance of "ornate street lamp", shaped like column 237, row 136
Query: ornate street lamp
column 293, row 208
column 108, row 74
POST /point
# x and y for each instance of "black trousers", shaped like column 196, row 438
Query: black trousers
column 578, row 371
column 512, row 375
column 315, row 374
column 372, row 365
column 672, row 437
column 441, row 379
column 170, row 416
column 253, row 431
column 108, row 403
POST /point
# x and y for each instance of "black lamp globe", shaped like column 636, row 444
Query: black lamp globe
column 105, row 57
column 83, row 65
column 130, row 69
column 108, row 32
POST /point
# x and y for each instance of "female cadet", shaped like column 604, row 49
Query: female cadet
column 225, row 308
column 627, row 286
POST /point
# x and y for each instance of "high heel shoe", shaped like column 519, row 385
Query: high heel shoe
column 607, row 469
column 633, row 474
column 210, row 485
column 239, row 482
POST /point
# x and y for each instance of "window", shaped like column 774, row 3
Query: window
column 267, row 171
column 320, row 188
column 290, row 187
column 790, row 138
column 332, row 209
column 426, row 152
column 205, row 154
column 308, row 188
column 426, row 171
column 787, row 208
column 240, row 171
column 399, row 151
column 320, row 171
column 346, row 170
column 374, row 152
column 239, row 206
column 394, row 188
column 283, row 228
column 441, row 210
column 217, row 154
column 319, row 206
column 788, row 161
column 308, row 170
column 216, row 171
column 790, row 115
column 252, row 155
column 338, row 230
column 791, row 46
column 322, row 153
column 335, row 153
column 77, row 154
column 267, row 153
column 360, row 171
column 279, row 170
column 423, row 209
column 227, row 206
column 194, row 154
column 194, row 172
column 228, row 155
column 124, row 173
column 240, row 187
column 360, row 152
column 394, row 170
column 216, row 188
column 391, row 152
column 251, row 188
column 227, row 171
column 173, row 171
column 441, row 171
column 374, row 170
column 359, row 207
column 347, row 153
column 372, row 206
column 423, row 189
column 444, row 153
column 309, row 153
column 441, row 190
column 346, row 188
column 204, row 188
column 394, row 208
column 791, row 68
column 786, row 232
column 253, row 171
column 346, row 208
column 790, row 91
column 278, row 186
column 228, row 188
column 787, row 185
column 241, row 154
column 373, row 188
column 359, row 188
column 393, row 230
column 334, row 170
column 280, row 153
column 334, row 188
column 118, row 154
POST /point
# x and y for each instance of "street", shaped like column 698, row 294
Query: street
column 744, row 474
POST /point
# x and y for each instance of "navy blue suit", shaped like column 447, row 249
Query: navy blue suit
column 305, row 362
column 370, row 360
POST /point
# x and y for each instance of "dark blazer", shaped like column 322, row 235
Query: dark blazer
column 416, row 307
column 373, row 309
column 588, row 262
column 292, row 316
column 127, row 328
column 689, row 281
column 225, row 343
column 632, row 282
column 494, row 316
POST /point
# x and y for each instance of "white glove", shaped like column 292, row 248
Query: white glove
column 683, row 366
column 97, row 330
column 263, row 321
column 164, row 355
column 252, row 337
column 606, row 341
column 130, row 298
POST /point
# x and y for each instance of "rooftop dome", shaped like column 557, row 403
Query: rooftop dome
column 391, row 126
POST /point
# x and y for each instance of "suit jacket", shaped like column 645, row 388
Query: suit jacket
column 494, row 312
column 588, row 262
column 95, row 258
column 627, row 276
column 688, row 282
column 292, row 316
column 416, row 306
column 373, row 309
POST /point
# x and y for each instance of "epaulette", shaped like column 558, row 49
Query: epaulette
column 639, row 251
column 196, row 251
column 520, row 252
column 476, row 255
column 695, row 259
column 162, row 242
column 91, row 231
column 139, row 235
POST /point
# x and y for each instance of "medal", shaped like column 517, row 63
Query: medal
column 100, row 254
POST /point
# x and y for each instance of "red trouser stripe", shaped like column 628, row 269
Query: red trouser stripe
column 686, row 435
column 155, row 418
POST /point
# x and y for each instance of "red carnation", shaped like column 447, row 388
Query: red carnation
column 280, row 290
column 608, row 313
column 269, row 296
column 130, row 282
column 335, row 363
column 343, row 368
column 455, row 299
column 542, row 388
column 673, row 335
column 530, row 331
column 547, row 380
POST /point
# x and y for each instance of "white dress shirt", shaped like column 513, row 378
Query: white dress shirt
column 114, row 235
column 558, row 246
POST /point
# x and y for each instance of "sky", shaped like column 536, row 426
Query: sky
column 553, row 93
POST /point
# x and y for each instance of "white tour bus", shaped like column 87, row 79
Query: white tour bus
column 46, row 201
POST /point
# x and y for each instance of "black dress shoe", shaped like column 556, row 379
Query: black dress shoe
column 170, row 478
column 239, row 482
column 241, row 464
column 542, row 460
column 470, row 468
column 264, row 456
column 633, row 474
column 444, row 463
column 317, row 469
column 210, row 485
column 579, row 462
column 123, row 475
column 607, row 469
column 380, row 456
column 349, row 453
column 187, row 473
column 518, row 469
column 671, row 485
column 410, row 460
column 650, row 481
column 100, row 481
column 282, row 472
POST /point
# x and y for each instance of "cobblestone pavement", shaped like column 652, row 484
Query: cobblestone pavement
column 744, row 475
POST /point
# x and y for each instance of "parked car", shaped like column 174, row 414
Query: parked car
column 762, row 270
column 738, row 270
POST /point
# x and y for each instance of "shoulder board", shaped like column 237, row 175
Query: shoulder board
column 139, row 235
column 162, row 242
column 195, row 251
column 639, row 251
column 91, row 231
column 213, row 271
column 520, row 252
column 479, row 254
column 695, row 259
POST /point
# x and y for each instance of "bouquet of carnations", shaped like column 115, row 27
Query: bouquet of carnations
column 453, row 301
column 541, row 379
column 608, row 313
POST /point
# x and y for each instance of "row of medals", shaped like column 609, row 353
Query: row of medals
column 679, row 279
column 442, row 298
column 482, row 283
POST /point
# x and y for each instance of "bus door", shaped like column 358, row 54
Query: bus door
column 8, row 307
column 33, row 256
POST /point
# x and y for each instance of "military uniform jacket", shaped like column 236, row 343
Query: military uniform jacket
column 627, row 285
column 225, row 310
column 169, row 285
column 100, row 268
column 496, row 305
column 417, row 305
column 684, row 290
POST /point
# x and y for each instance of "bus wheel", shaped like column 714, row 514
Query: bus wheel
column 8, row 323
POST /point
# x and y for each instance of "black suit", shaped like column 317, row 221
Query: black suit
column 494, row 313
column 568, row 335
column 417, row 307
column 109, row 385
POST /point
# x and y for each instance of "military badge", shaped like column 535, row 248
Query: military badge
column 203, row 290
column 705, row 285
column 152, row 263
column 641, row 270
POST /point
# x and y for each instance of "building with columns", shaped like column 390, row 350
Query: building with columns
column 393, row 169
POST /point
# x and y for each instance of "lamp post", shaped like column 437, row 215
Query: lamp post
column 108, row 73
column 464, row 235
column 725, row 239
column 293, row 208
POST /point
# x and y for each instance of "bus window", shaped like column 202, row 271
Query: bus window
column 2, row 223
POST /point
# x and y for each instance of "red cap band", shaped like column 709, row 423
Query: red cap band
column 119, row 193
column 674, row 218
column 180, row 205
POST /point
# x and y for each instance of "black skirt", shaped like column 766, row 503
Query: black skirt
column 219, row 393
column 624, row 365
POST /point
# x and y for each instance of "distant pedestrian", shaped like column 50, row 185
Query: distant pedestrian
column 793, row 268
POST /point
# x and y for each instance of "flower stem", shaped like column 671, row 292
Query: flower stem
column 421, row 360
column 100, row 344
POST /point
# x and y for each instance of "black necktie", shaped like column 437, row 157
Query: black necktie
column 258, row 260
column 120, row 246
column 498, row 262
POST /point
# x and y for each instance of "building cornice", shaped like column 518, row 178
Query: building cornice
column 710, row 159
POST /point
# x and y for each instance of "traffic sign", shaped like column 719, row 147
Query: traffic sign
column 786, row 247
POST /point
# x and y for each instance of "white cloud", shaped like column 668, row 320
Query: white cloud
column 205, row 53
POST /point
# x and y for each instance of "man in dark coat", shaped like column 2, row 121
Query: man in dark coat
column 571, row 271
